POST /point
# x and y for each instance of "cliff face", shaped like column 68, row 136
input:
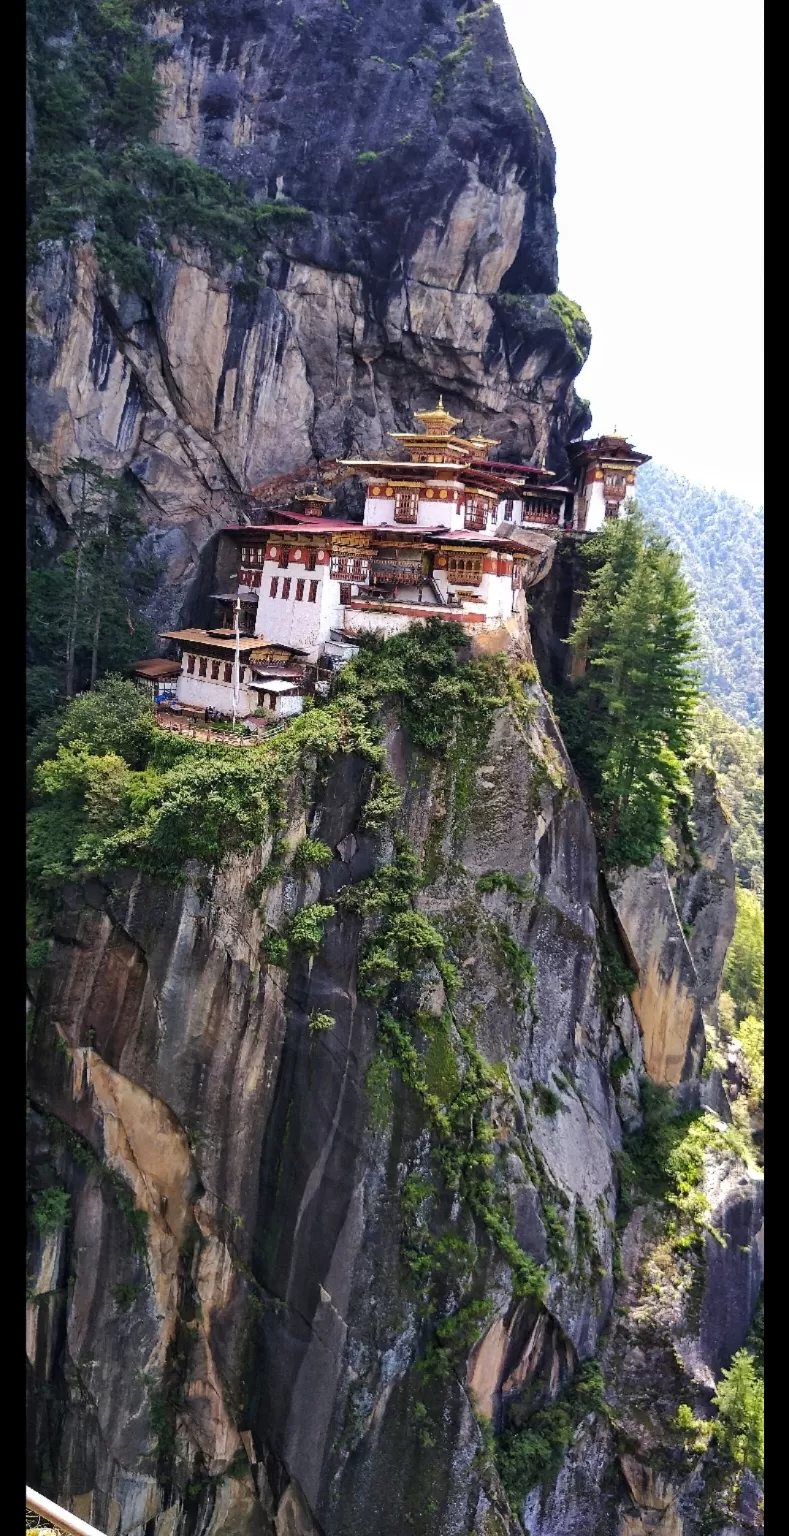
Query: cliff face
column 243, row 1357
column 427, row 262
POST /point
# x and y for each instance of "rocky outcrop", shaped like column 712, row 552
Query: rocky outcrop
column 427, row 263
column 704, row 888
column 666, row 1000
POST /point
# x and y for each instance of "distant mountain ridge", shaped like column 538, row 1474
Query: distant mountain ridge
column 721, row 541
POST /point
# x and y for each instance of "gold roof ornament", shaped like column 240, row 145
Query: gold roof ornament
column 478, row 441
column 314, row 496
column 438, row 423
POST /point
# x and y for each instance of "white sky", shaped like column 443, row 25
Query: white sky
column 655, row 109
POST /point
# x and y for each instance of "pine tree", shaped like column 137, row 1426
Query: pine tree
column 740, row 1404
column 84, row 607
column 629, row 719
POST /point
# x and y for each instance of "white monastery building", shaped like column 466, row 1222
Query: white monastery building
column 447, row 532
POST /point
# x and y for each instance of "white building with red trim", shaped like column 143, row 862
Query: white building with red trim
column 446, row 532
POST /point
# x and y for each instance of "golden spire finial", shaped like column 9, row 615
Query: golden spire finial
column 439, row 420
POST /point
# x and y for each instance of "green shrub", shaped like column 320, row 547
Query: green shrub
column 378, row 1087
column 576, row 326
column 305, row 930
column 273, row 949
column 51, row 1210
column 532, row 1455
column 36, row 954
column 515, row 960
column 618, row 1067
column 125, row 1296
column 319, row 1023
column 312, row 853
column 547, row 1101
column 368, row 155
column 499, row 880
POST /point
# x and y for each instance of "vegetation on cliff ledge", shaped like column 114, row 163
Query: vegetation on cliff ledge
column 94, row 173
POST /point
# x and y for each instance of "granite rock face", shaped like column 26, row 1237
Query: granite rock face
column 230, row 1289
column 427, row 263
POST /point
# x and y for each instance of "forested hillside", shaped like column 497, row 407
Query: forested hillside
column 736, row 752
column 721, row 541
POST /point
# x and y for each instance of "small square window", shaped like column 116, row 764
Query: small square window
column 299, row 591
column 214, row 671
column 227, row 675
column 203, row 666
column 272, row 591
column 313, row 592
column 286, row 587
column 190, row 665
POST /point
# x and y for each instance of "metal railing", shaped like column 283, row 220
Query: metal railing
column 41, row 1515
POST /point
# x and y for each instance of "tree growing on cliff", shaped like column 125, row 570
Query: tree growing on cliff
column 84, row 608
column 628, row 721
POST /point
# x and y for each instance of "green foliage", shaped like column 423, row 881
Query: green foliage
column 628, row 721
column 114, row 719
column 577, row 328
column 695, row 1432
column 616, row 979
column 736, row 754
column 378, row 1087
column 305, row 930
column 533, row 1455
column 382, row 803
column 588, row 1257
column 439, row 697
column 619, row 1067
column 546, row 1100
column 96, row 104
column 312, row 854
column 36, row 954
column 739, row 1399
column 743, row 976
column 51, row 1210
column 84, row 605
column 751, row 1034
column 126, row 1296
column 499, row 880
column 664, row 1160
column 319, row 1023
column 721, row 542
column 515, row 960
column 273, row 949
column 368, row 155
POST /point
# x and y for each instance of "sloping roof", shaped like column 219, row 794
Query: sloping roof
column 211, row 642
column 155, row 666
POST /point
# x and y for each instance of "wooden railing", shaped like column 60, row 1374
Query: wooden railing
column 53, row 1518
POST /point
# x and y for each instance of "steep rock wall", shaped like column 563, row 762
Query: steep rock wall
column 428, row 267
column 241, row 1357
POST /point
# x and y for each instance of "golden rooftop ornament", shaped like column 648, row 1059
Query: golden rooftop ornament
column 438, row 422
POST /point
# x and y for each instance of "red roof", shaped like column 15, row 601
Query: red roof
column 518, row 469
column 315, row 525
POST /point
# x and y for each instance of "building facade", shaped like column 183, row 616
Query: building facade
column 446, row 531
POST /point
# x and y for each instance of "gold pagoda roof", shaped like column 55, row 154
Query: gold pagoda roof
column 437, row 421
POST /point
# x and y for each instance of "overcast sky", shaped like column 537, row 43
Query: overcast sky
column 655, row 110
